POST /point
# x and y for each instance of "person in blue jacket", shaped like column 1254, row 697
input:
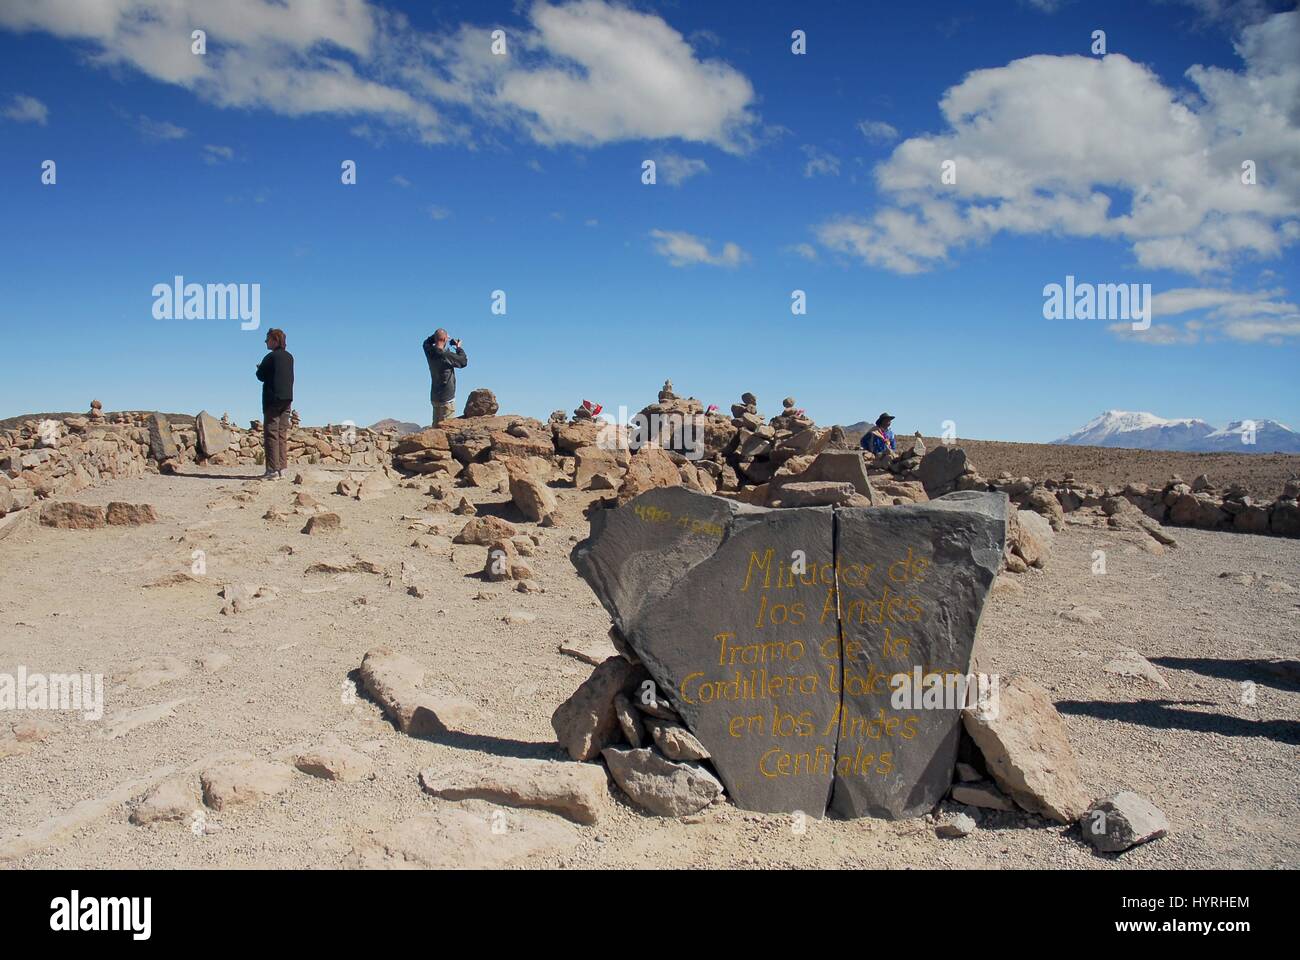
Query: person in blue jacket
column 880, row 438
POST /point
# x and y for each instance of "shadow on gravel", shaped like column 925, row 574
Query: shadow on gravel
column 226, row 477
column 502, row 510
column 498, row 746
column 1165, row 715
column 1280, row 674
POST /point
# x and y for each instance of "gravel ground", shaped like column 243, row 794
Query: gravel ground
column 1224, row 772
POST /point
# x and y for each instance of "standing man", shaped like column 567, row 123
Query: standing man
column 276, row 373
column 880, row 438
column 443, row 363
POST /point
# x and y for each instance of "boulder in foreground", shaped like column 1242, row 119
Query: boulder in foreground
column 1027, row 750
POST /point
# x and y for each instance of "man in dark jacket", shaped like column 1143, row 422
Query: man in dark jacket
column 443, row 363
column 276, row 373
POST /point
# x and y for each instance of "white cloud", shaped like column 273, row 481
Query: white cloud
column 675, row 169
column 820, row 163
column 684, row 249
column 400, row 180
column 1035, row 148
column 25, row 109
column 805, row 250
column 439, row 213
column 1158, row 334
column 585, row 72
column 877, row 131
column 159, row 130
column 607, row 73
column 1251, row 317
column 215, row 153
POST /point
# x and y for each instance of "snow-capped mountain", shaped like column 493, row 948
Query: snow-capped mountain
column 1270, row 436
column 1145, row 431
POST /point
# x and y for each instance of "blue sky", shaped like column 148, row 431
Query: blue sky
column 776, row 172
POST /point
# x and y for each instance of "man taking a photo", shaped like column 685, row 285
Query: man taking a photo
column 444, row 357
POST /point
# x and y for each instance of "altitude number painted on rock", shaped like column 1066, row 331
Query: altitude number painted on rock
column 650, row 514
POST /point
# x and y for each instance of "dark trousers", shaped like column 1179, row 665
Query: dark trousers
column 275, row 434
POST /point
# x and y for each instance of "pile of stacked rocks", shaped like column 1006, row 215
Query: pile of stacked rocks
column 43, row 459
column 618, row 715
column 760, row 451
column 451, row 447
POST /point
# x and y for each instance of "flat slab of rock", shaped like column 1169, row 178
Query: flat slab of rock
column 174, row 799
column 1034, row 537
column 629, row 719
column 67, row 515
column 484, row 530
column 12, row 523
column 241, row 782
column 125, row 721
column 1124, row 820
column 211, row 436
column 830, row 466
column 1130, row 663
column 981, row 794
column 1027, row 751
column 162, row 445
column 663, row 787
column 454, row 838
column 323, row 523
column 674, row 741
column 592, row 650
column 737, row 611
column 578, row 791
column 14, row 845
column 333, row 760
column 121, row 514
column 397, row 682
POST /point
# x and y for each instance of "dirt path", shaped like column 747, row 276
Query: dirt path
column 1224, row 772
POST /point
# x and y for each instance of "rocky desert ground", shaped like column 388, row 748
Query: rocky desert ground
column 255, row 697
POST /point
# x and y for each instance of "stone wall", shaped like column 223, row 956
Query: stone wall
column 43, row 459
column 1199, row 504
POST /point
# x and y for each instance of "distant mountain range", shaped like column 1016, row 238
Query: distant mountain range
column 1145, row 431
column 401, row 426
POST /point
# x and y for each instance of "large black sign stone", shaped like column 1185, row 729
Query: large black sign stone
column 748, row 619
